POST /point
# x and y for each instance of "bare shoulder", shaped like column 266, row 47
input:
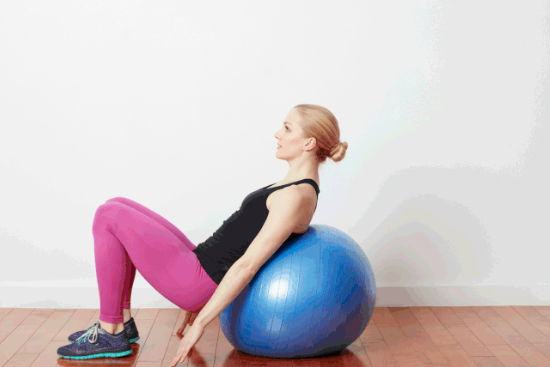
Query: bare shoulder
column 307, row 190
column 303, row 192
column 307, row 197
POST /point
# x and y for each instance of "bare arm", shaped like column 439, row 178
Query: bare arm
column 232, row 284
column 285, row 214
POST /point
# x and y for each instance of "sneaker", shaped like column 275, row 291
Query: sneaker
column 97, row 343
column 129, row 326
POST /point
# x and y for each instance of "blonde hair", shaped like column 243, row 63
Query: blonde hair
column 319, row 123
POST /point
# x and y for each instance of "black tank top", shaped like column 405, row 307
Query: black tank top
column 220, row 251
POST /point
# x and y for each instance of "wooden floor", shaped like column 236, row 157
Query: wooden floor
column 395, row 336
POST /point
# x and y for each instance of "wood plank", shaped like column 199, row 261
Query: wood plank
column 434, row 328
column 544, row 311
column 46, row 332
column 457, row 356
column 78, row 321
column 4, row 312
column 386, row 324
column 12, row 321
column 478, row 327
column 528, row 351
column 507, row 356
column 12, row 342
column 534, row 318
column 157, row 342
column 522, row 326
column 49, row 357
column 21, row 360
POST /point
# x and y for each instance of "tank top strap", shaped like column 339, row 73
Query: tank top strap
column 312, row 182
column 308, row 180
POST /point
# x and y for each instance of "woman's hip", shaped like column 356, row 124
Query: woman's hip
column 193, row 287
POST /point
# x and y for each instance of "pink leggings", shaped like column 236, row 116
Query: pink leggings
column 128, row 236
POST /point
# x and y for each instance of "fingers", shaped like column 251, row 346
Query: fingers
column 184, row 323
column 192, row 319
column 188, row 319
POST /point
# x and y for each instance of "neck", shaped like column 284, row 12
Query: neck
column 300, row 169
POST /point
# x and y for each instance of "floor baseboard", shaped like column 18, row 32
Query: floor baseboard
column 25, row 296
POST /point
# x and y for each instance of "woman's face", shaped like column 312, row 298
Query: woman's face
column 290, row 137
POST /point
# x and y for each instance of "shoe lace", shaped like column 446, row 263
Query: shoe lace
column 91, row 333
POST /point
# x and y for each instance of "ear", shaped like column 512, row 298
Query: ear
column 311, row 144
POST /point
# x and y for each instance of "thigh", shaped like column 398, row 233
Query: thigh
column 158, row 254
column 193, row 285
column 151, row 214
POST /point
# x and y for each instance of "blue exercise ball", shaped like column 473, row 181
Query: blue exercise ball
column 314, row 296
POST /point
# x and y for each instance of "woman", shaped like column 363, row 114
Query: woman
column 203, row 279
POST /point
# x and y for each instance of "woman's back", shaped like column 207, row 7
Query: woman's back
column 231, row 240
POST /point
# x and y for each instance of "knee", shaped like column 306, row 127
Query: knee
column 119, row 199
column 107, row 212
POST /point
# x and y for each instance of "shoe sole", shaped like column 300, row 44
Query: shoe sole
column 99, row 355
column 131, row 340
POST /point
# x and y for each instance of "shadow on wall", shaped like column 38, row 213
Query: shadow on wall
column 442, row 238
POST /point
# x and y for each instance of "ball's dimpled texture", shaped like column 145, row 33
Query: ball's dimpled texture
column 314, row 296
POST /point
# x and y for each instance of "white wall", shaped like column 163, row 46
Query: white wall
column 444, row 105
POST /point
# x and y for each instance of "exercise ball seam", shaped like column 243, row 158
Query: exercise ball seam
column 297, row 293
column 316, row 294
column 286, row 299
column 277, row 299
column 333, row 285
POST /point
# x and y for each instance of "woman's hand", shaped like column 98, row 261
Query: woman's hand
column 189, row 318
column 189, row 340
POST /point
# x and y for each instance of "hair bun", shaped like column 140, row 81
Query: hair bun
column 336, row 148
column 339, row 151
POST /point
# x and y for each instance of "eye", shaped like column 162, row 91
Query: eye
column 286, row 128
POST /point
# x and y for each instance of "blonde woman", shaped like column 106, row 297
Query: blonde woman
column 203, row 279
